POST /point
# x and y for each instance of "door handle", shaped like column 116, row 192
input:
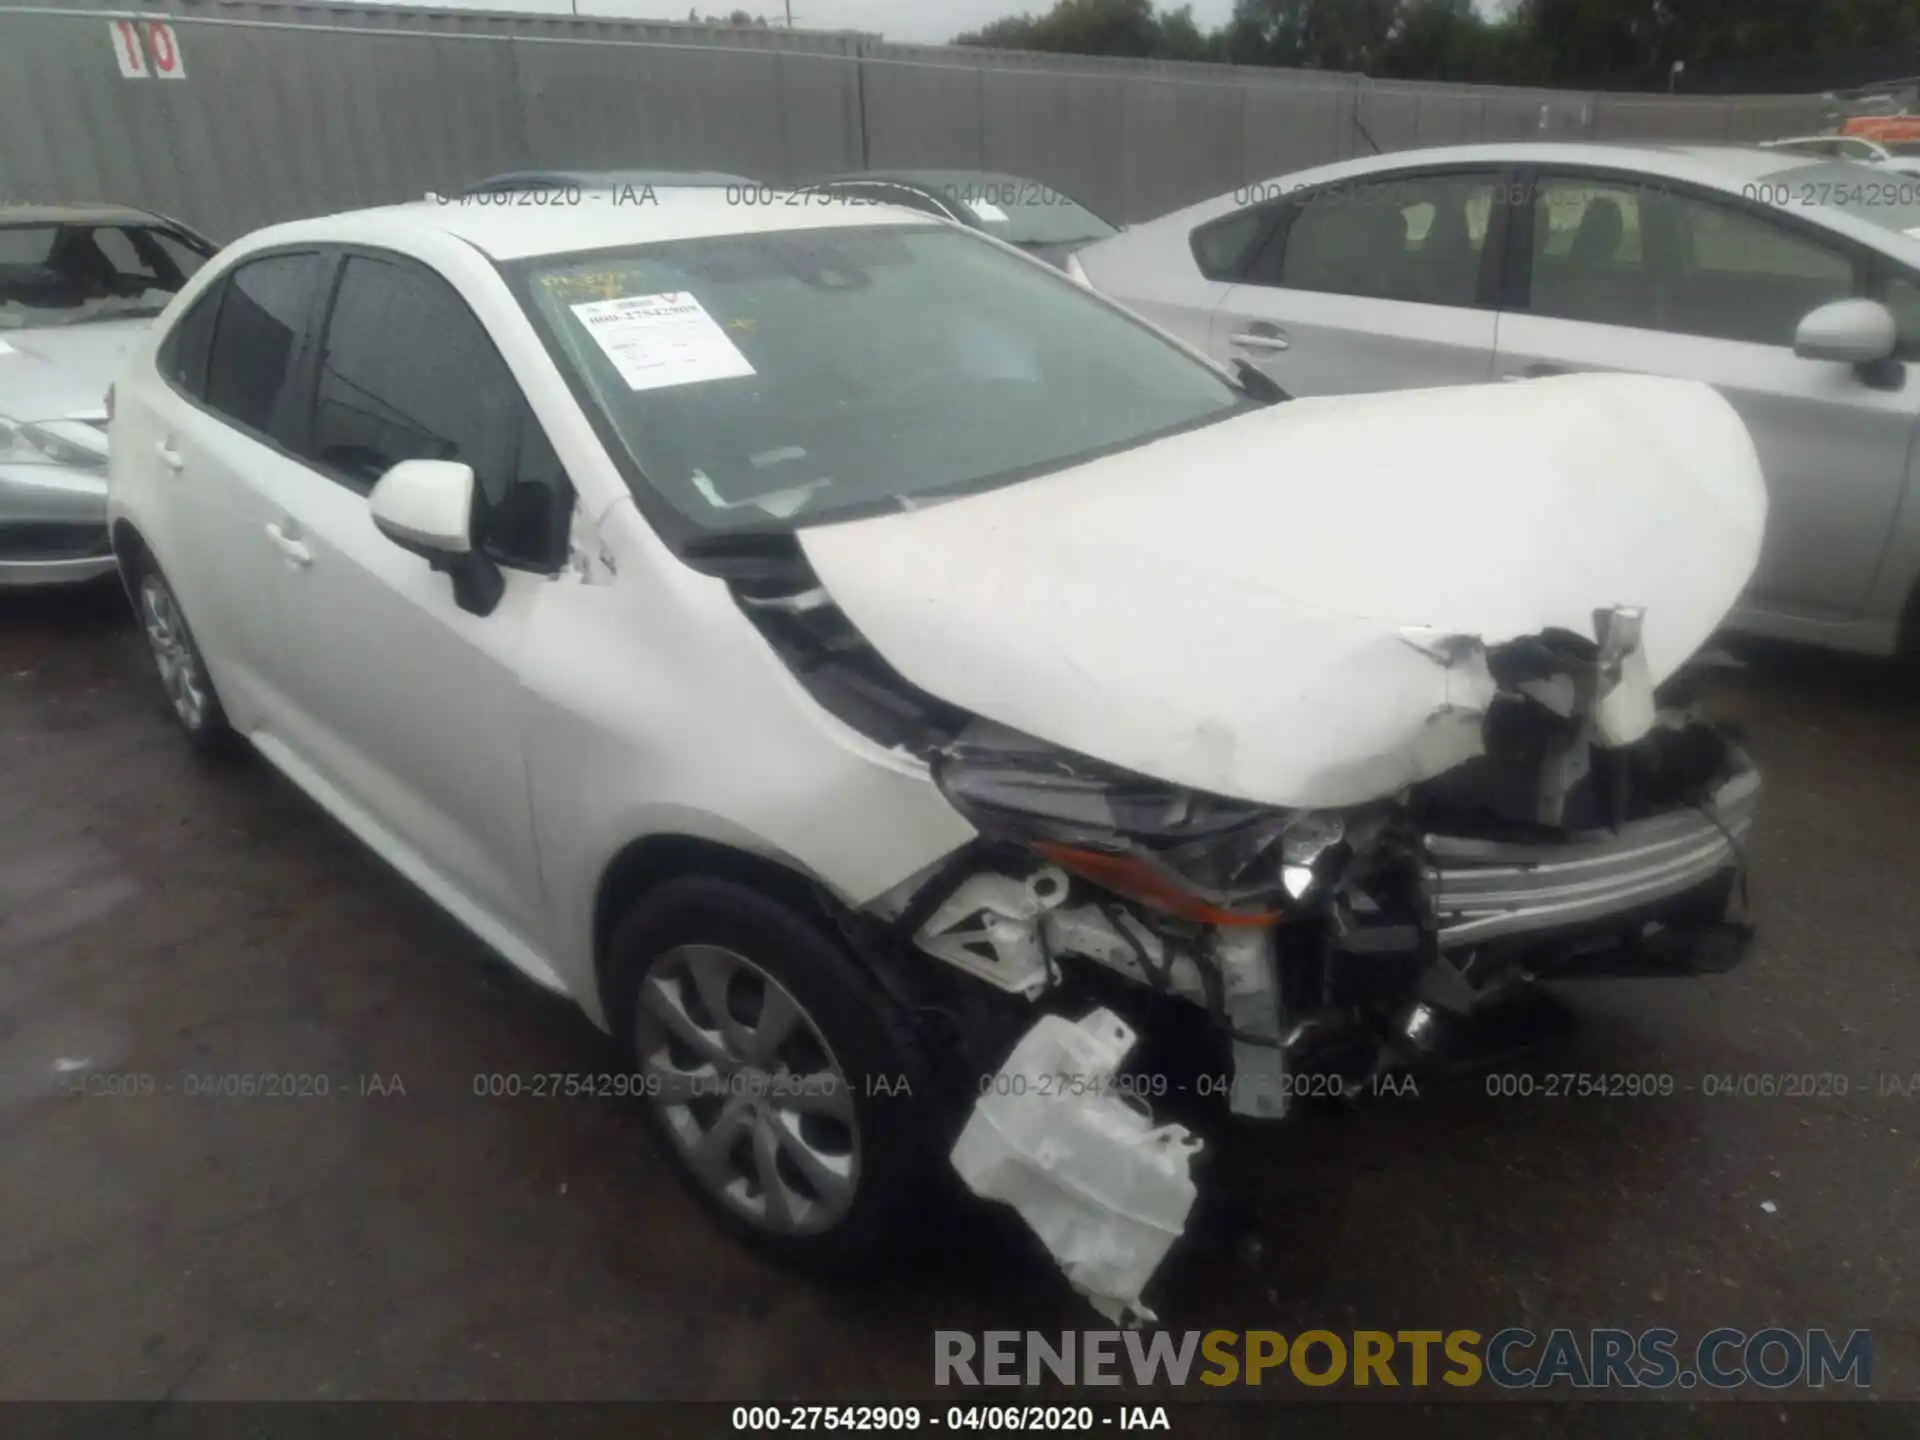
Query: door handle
column 1259, row 340
column 288, row 546
column 169, row 457
column 1537, row 372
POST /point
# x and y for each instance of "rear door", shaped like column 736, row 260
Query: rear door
column 401, row 701
column 1380, row 282
column 1619, row 273
column 217, row 446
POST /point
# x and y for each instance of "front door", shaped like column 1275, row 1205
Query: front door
column 406, row 704
column 1624, row 276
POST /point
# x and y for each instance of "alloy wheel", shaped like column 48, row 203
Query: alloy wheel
column 749, row 1090
column 179, row 664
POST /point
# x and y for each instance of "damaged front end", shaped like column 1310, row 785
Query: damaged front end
column 1562, row 823
column 1588, row 833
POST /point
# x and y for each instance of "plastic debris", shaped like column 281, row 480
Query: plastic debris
column 1106, row 1189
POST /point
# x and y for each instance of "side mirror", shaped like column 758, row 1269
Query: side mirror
column 1853, row 332
column 426, row 507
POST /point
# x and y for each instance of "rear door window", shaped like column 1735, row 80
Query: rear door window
column 184, row 353
column 1223, row 248
column 265, row 313
column 1396, row 237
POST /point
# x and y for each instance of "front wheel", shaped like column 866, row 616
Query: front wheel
column 786, row 1085
column 183, row 672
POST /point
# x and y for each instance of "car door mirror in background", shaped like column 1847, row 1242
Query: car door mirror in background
column 426, row 506
column 1853, row 332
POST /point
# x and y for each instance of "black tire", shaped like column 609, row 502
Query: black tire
column 892, row 1135
column 183, row 671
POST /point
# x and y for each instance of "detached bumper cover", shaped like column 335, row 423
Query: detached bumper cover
column 1479, row 891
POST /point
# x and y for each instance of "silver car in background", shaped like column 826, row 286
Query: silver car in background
column 1791, row 285
column 79, row 285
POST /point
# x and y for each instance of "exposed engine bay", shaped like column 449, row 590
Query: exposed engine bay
column 1585, row 830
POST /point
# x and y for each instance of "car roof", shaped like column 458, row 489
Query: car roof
column 528, row 179
column 1722, row 167
column 77, row 213
column 934, row 179
column 1714, row 164
column 602, row 220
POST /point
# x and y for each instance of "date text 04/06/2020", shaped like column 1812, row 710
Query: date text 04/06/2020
column 898, row 1419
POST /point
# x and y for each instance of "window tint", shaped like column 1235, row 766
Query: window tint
column 1409, row 237
column 183, row 354
column 256, row 337
column 1223, row 248
column 1588, row 253
column 1902, row 297
column 407, row 372
column 1655, row 260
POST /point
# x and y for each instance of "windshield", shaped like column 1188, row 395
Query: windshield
column 1880, row 197
column 75, row 272
column 1022, row 212
column 786, row 378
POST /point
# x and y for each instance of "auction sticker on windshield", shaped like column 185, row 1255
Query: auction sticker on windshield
column 656, row 341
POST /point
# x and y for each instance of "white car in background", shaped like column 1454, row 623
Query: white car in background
column 825, row 643
column 1791, row 285
column 1900, row 156
column 79, row 285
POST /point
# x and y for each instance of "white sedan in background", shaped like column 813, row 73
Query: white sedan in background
column 1791, row 285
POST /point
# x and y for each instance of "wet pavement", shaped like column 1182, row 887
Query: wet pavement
column 168, row 922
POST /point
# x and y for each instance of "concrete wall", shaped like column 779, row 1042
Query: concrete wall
column 292, row 109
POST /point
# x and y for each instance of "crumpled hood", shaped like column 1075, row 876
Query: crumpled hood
column 63, row 371
column 1226, row 609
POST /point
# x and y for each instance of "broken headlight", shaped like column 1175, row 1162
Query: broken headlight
column 1196, row 856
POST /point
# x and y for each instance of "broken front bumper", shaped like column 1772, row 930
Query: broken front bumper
column 1478, row 892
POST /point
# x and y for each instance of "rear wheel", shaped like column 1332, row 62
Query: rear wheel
column 783, row 1081
column 183, row 672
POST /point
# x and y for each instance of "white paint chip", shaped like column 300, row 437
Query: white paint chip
column 657, row 341
column 66, row 1065
column 1769, row 1207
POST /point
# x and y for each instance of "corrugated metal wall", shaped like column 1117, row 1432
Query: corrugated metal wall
column 291, row 109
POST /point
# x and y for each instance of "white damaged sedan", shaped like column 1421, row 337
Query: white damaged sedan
column 841, row 653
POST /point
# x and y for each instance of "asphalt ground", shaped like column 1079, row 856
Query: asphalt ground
column 405, row 1238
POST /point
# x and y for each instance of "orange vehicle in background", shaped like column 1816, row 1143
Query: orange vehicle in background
column 1884, row 128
